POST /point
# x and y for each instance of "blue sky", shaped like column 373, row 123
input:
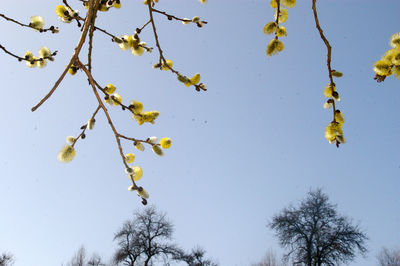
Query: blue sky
column 248, row 147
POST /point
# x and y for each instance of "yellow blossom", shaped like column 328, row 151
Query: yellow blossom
column 283, row 15
column 396, row 71
column 110, row 88
column 37, row 22
column 70, row 139
column 396, row 57
column 395, row 40
column 29, row 57
column 339, row 117
column 61, row 10
column 139, row 146
column 44, row 52
column 138, row 51
column 157, row 150
column 143, row 193
column 336, row 74
column 195, row 79
column 66, row 154
column 73, row 69
column 129, row 157
column 289, row 3
column 137, row 173
column 332, row 131
column 126, row 42
column 117, row 4
column 91, row 123
column 41, row 63
column 165, row 143
column 270, row 27
column 383, row 67
column 167, row 65
column 274, row 46
column 117, row 99
column 136, row 107
column 274, row 4
column 281, row 31
column 329, row 89
column 203, row 1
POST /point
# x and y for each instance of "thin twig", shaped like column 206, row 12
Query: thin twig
column 161, row 59
column 78, row 48
column 91, row 30
column 51, row 28
column 170, row 17
column 116, row 134
column 328, row 46
column 278, row 10
column 144, row 26
column 85, row 126
column 23, row 58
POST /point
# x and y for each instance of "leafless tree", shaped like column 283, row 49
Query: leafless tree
column 270, row 259
column 6, row 259
column 316, row 234
column 389, row 257
column 145, row 239
column 79, row 259
column 196, row 257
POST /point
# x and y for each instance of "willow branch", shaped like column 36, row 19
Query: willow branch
column 278, row 10
column 162, row 59
column 92, row 83
column 91, row 30
column 52, row 28
column 24, row 59
column 86, row 126
column 328, row 46
column 170, row 17
column 78, row 48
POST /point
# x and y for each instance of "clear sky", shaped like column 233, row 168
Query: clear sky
column 248, row 147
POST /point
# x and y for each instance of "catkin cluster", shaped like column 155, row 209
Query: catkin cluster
column 273, row 27
column 334, row 130
column 390, row 62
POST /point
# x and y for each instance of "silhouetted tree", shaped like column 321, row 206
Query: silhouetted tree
column 196, row 257
column 389, row 257
column 269, row 259
column 145, row 238
column 316, row 234
column 6, row 259
column 79, row 259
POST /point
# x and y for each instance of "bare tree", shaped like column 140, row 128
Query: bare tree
column 145, row 238
column 79, row 259
column 316, row 234
column 196, row 257
column 6, row 259
column 270, row 259
column 389, row 257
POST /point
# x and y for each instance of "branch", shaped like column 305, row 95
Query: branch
column 78, row 48
column 24, row 59
column 51, row 28
column 96, row 7
column 162, row 60
column 101, row 104
column 278, row 10
column 84, row 127
column 170, row 17
column 321, row 33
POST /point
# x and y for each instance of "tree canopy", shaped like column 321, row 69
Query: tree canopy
column 315, row 234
